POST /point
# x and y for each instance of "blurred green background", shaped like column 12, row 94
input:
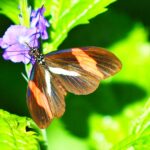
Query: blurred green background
column 103, row 118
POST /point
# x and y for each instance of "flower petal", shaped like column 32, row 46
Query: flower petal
column 17, row 41
column 1, row 40
column 15, row 53
column 11, row 35
column 38, row 21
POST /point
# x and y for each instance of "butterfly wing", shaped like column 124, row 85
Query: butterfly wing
column 80, row 70
column 45, row 96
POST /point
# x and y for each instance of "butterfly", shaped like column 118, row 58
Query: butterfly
column 74, row 70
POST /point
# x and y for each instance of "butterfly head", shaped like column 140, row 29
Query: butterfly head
column 37, row 56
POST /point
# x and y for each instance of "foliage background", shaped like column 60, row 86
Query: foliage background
column 117, row 114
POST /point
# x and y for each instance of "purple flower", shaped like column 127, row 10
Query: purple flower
column 16, row 42
column 37, row 20
column 18, row 39
column 1, row 40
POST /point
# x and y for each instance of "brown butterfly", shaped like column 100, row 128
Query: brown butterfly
column 75, row 70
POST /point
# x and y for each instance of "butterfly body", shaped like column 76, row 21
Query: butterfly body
column 75, row 70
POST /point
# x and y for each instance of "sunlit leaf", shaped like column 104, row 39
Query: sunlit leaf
column 142, row 123
column 65, row 15
column 140, row 136
column 10, row 9
column 18, row 132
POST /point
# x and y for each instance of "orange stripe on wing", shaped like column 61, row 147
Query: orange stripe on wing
column 86, row 62
column 40, row 98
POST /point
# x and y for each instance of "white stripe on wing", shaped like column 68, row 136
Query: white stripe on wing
column 63, row 71
column 48, row 82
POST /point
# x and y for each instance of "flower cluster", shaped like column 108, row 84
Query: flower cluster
column 18, row 39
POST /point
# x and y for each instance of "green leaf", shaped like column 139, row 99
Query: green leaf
column 140, row 135
column 142, row 124
column 66, row 15
column 10, row 9
column 106, row 131
column 134, row 52
column 19, row 133
column 59, row 138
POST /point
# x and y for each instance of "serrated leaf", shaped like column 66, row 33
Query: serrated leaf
column 18, row 132
column 65, row 15
column 10, row 9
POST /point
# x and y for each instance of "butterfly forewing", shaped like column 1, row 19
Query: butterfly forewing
column 45, row 96
column 80, row 70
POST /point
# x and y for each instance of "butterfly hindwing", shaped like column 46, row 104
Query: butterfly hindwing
column 45, row 96
column 80, row 70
